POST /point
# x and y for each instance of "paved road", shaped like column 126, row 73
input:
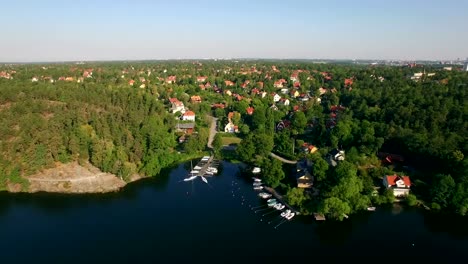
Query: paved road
column 213, row 132
column 282, row 159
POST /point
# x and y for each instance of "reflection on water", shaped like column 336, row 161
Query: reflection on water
column 160, row 217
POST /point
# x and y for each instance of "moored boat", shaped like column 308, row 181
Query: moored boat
column 290, row 216
column 372, row 208
column 191, row 178
column 286, row 213
column 258, row 188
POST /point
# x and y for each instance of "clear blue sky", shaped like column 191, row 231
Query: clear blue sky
column 58, row 30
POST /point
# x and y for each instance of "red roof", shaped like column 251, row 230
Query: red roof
column 297, row 84
column 391, row 179
column 250, row 110
column 173, row 100
column 189, row 113
column 348, row 82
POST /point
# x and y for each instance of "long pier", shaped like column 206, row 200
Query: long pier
column 281, row 199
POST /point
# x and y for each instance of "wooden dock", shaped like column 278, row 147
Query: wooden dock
column 319, row 217
column 204, row 164
column 281, row 199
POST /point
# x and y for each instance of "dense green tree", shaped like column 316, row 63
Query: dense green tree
column 273, row 172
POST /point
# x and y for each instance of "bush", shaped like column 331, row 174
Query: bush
column 411, row 200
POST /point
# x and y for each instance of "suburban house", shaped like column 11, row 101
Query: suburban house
column 186, row 128
column 215, row 106
column 201, row 78
column 188, row 116
column 231, row 128
column 228, row 83
column 276, row 97
column 34, row 79
column 303, row 177
column 249, row 110
column 400, row 184
column 131, row 82
column 177, row 106
column 295, row 93
column 308, row 148
column 143, row 85
column 195, row 99
column 348, row 82
column 297, row 84
column 335, row 156
column 171, row 79
column 284, row 90
column 294, row 77
column 284, row 101
column 279, row 83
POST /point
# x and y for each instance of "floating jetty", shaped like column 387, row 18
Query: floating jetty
column 201, row 168
column 281, row 199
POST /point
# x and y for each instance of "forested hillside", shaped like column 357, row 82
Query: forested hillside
column 120, row 130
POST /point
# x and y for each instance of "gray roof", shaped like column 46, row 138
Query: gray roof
column 185, row 125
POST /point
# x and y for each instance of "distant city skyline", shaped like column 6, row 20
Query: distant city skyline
column 54, row 31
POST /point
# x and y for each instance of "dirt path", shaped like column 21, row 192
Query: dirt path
column 213, row 132
column 282, row 159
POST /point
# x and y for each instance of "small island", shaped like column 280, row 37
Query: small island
column 334, row 138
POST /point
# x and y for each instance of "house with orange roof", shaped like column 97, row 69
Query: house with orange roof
column 188, row 116
column 201, row 78
column 228, row 83
column 131, row 82
column 400, row 184
column 195, row 99
column 171, row 79
column 250, row 110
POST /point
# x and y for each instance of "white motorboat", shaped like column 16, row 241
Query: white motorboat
column 209, row 173
column 204, row 179
column 279, row 206
column 257, row 184
column 285, row 213
column 290, row 216
column 194, row 171
column 271, row 200
column 372, row 208
column 212, row 169
column 256, row 170
column 258, row 188
column 273, row 204
column 264, row 195
column 197, row 168
column 191, row 178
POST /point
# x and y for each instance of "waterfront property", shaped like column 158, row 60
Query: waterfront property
column 400, row 184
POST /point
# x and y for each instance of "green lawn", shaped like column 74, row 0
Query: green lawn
column 231, row 140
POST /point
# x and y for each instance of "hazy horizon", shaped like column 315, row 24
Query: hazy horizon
column 62, row 31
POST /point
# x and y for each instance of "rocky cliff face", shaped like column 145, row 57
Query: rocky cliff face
column 74, row 178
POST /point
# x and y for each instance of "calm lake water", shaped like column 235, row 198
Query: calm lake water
column 165, row 220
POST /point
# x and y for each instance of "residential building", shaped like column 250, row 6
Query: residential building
column 465, row 66
column 335, row 156
column 195, row 99
column 231, row 128
column 188, row 116
column 177, row 106
column 400, row 184
column 304, row 178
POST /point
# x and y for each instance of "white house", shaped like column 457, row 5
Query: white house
column 276, row 97
column 188, row 116
column 285, row 101
column 177, row 106
column 231, row 128
column 400, row 184
column 34, row 79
